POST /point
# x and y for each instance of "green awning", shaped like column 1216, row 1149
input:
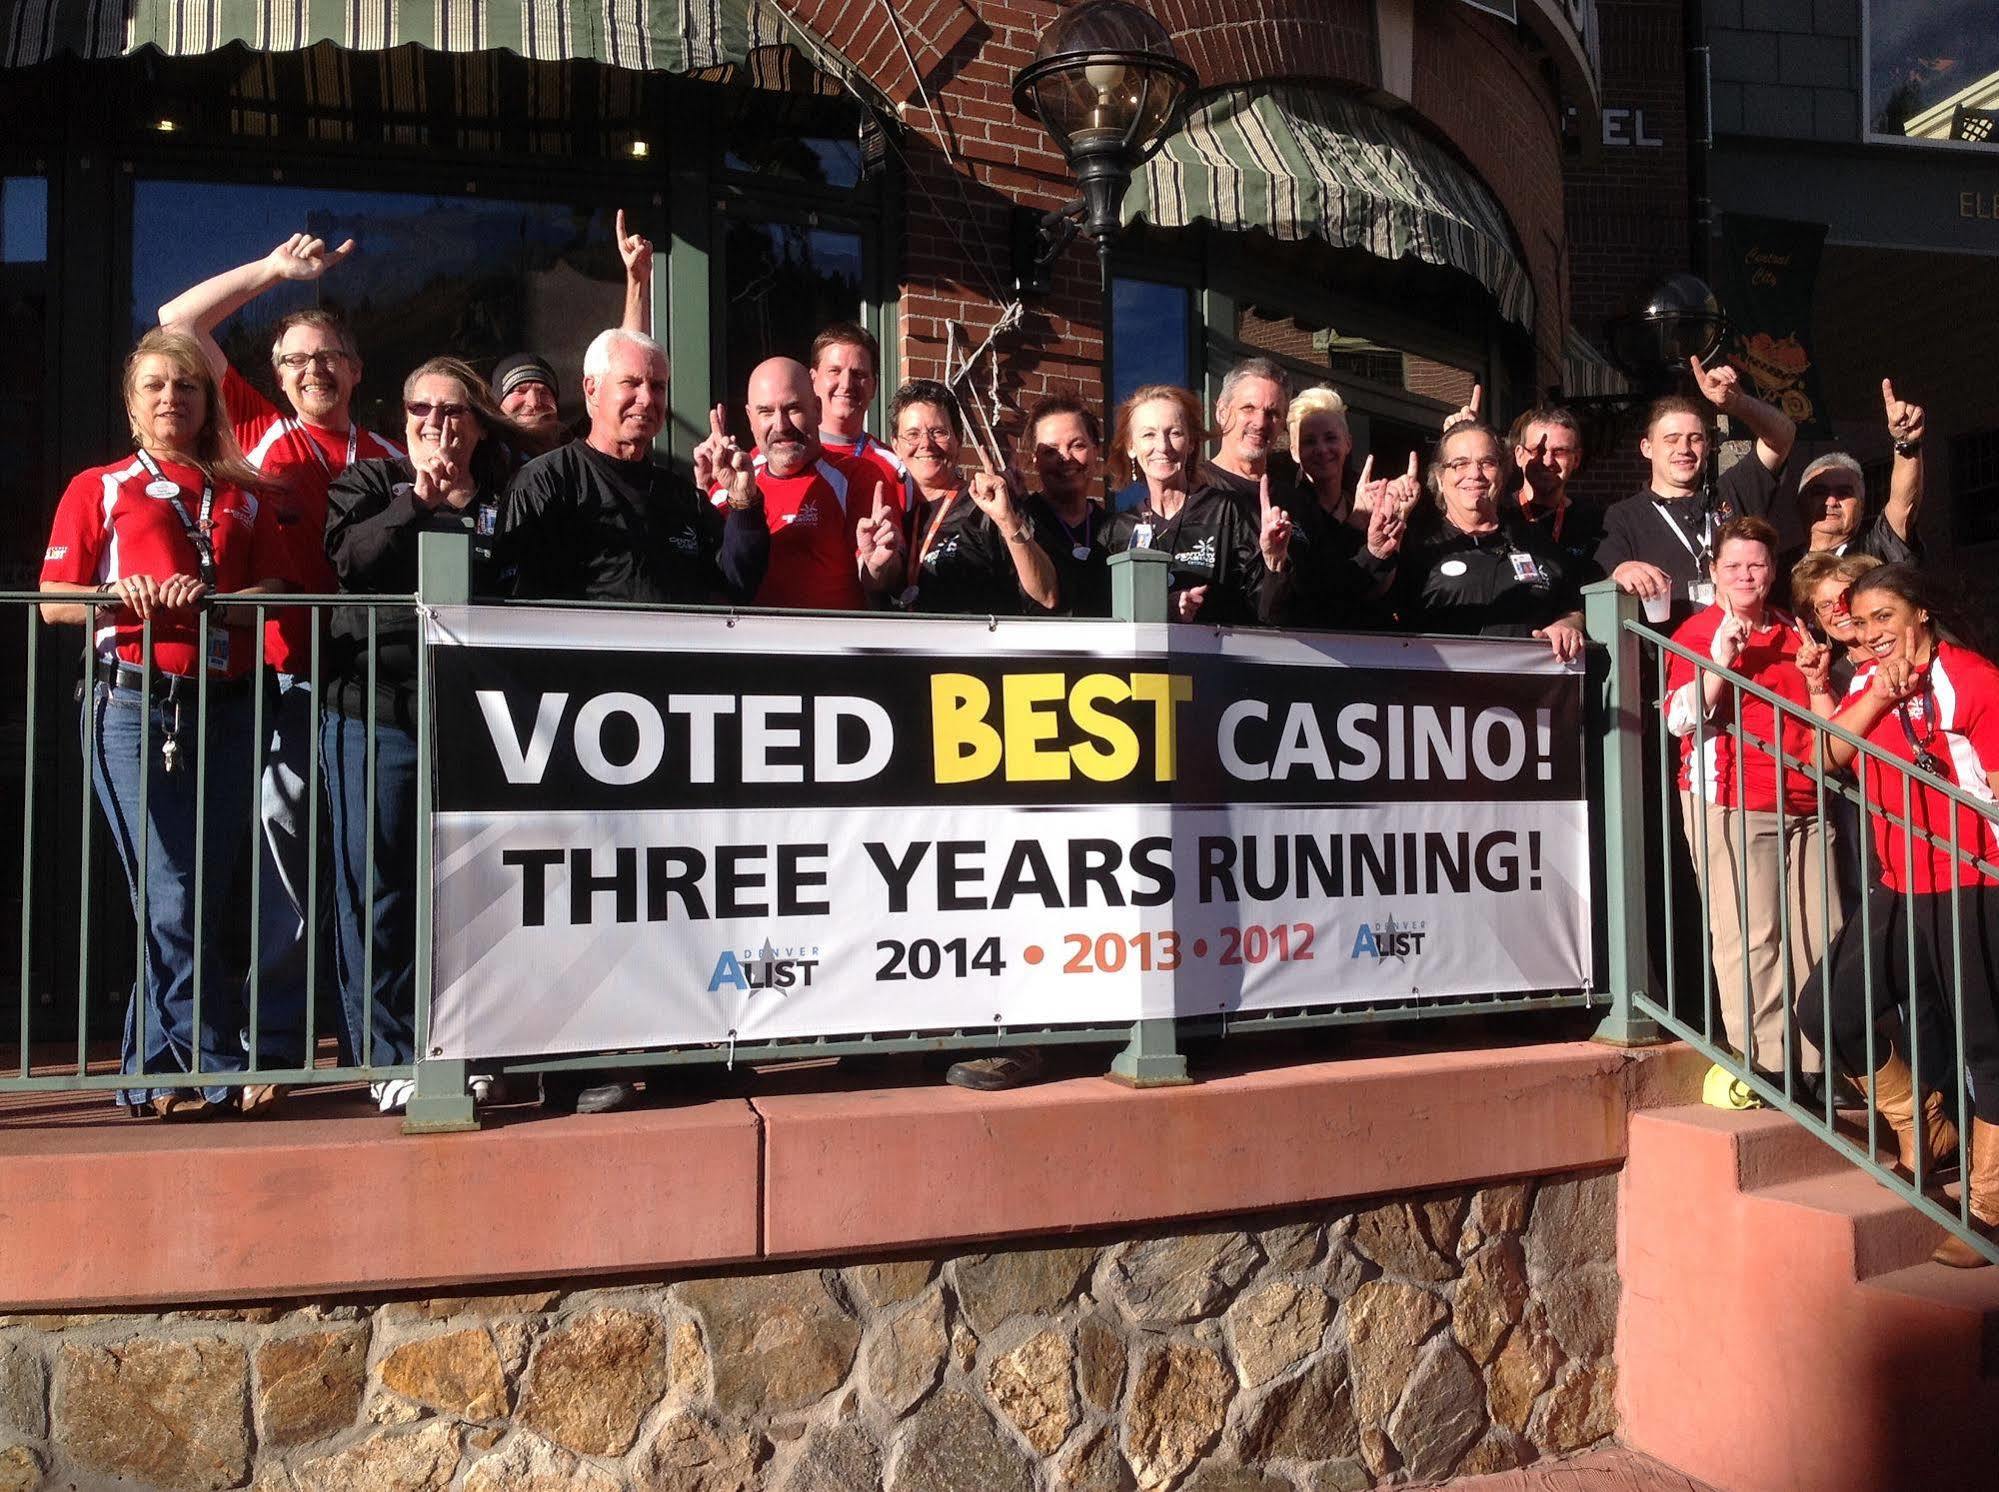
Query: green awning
column 1301, row 162
column 677, row 36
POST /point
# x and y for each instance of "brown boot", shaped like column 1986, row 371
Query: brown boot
column 1984, row 1187
column 1895, row 1096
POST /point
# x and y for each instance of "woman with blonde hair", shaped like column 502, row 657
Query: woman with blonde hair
column 1225, row 570
column 140, row 549
column 1346, row 538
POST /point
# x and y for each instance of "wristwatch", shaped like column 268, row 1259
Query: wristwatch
column 1907, row 448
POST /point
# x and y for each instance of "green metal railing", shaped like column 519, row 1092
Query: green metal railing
column 71, row 936
column 1686, row 1002
column 1148, row 1051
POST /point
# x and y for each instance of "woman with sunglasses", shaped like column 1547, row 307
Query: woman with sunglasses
column 461, row 448
column 1470, row 569
column 139, row 549
column 1926, row 701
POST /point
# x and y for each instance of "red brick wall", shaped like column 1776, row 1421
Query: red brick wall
column 1627, row 212
column 1475, row 85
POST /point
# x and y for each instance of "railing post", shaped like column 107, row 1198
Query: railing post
column 1619, row 732
column 1151, row 1059
column 442, row 1102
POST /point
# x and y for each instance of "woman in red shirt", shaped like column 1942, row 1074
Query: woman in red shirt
column 1746, row 852
column 143, row 544
column 1929, row 703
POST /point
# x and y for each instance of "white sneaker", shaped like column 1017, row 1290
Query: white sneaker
column 393, row 1096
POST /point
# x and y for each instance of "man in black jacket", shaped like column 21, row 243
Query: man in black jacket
column 601, row 519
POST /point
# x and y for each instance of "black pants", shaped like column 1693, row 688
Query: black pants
column 1891, row 917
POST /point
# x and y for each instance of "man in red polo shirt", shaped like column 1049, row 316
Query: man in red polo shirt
column 835, row 523
column 844, row 360
column 317, row 368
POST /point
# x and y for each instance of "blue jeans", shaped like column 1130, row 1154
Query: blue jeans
column 160, row 1029
column 390, row 895
column 283, row 870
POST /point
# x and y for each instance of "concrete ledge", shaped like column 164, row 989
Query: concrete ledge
column 151, row 1213
column 121, row 1215
column 887, row 1170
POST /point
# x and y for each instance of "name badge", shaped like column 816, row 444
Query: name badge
column 1080, row 551
column 218, row 651
column 489, row 519
column 1701, row 592
column 1141, row 537
column 163, row 489
column 1524, row 567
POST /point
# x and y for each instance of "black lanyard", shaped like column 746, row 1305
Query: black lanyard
column 197, row 529
column 1924, row 759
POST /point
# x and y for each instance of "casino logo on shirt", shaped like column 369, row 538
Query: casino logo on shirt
column 686, row 541
column 1200, row 557
column 805, row 517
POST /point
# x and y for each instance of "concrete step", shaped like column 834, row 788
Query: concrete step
column 1959, row 1295
column 1766, row 1147
column 1887, row 1233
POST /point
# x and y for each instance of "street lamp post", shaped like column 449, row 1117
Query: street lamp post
column 1107, row 85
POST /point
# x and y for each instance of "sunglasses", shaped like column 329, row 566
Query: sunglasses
column 418, row 409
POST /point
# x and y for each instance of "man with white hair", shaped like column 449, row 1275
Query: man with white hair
column 1832, row 496
column 601, row 519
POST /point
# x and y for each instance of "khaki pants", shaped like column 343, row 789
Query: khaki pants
column 1745, row 855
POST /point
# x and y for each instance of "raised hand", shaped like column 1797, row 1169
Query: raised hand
column 1730, row 638
column 1717, row 385
column 1814, row 660
column 1896, row 680
column 880, row 539
column 1468, row 415
column 1385, row 525
column 303, row 257
column 1274, row 530
column 710, row 457
column 636, row 250
column 1406, row 489
column 1905, row 420
column 736, row 472
column 1187, row 603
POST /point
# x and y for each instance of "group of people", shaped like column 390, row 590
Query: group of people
column 228, row 494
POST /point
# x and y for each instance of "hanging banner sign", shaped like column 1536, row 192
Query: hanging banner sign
column 656, row 830
column 1770, row 271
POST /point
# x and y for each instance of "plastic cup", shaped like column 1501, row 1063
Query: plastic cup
column 1658, row 608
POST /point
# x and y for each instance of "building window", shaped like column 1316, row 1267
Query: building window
column 1150, row 342
column 1974, row 486
column 472, row 277
column 782, row 282
column 24, row 406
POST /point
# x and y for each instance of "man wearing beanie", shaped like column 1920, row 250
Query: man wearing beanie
column 1832, row 495
column 525, row 384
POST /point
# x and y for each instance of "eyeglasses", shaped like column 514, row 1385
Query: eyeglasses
column 1459, row 465
column 1835, row 607
column 326, row 361
column 422, row 410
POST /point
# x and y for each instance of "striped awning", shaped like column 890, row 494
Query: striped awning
column 1301, row 162
column 1587, row 372
column 677, row 36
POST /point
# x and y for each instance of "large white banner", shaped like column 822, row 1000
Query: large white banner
column 655, row 830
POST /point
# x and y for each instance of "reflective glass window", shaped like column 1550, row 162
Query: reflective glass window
column 24, row 304
column 471, row 277
column 782, row 283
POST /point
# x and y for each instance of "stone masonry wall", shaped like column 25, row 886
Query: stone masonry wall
column 1406, row 1340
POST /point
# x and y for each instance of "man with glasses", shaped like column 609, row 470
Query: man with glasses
column 318, row 368
column 1832, row 496
column 1547, row 452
